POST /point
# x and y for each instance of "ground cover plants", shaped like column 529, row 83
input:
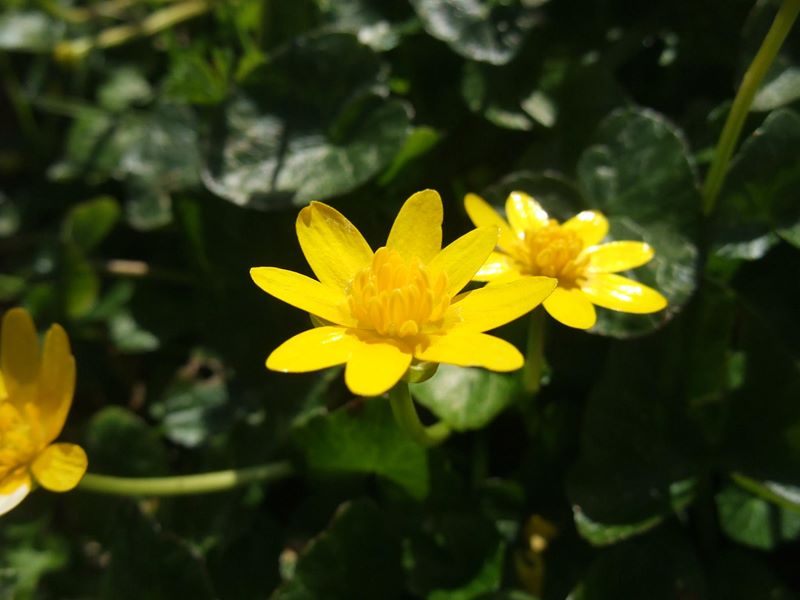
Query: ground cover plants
column 529, row 330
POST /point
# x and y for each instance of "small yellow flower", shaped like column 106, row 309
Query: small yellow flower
column 400, row 303
column 36, row 388
column 531, row 243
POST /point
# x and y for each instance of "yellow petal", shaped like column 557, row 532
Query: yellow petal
column 13, row 489
column 623, row 294
column 618, row 256
column 468, row 349
column 590, row 225
column 571, row 307
column 303, row 292
column 333, row 247
column 56, row 382
column 524, row 213
column 417, row 230
column 462, row 259
column 482, row 214
column 374, row 367
column 60, row 467
column 497, row 304
column 497, row 266
column 3, row 391
column 19, row 350
column 312, row 350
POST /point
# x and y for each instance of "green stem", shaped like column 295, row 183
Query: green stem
column 534, row 355
column 744, row 98
column 115, row 36
column 217, row 481
column 405, row 413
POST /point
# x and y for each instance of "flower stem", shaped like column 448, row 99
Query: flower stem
column 217, row 481
column 787, row 14
column 405, row 413
column 160, row 20
column 534, row 355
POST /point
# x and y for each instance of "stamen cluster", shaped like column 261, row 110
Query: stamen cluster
column 552, row 251
column 398, row 298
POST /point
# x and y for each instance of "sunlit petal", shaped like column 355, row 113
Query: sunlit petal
column 468, row 349
column 620, row 293
column 618, row 256
column 374, row 367
column 462, row 259
column 3, row 391
column 497, row 266
column 417, row 230
column 332, row 245
column 497, row 304
column 311, row 350
column 20, row 359
column 590, row 225
column 524, row 213
column 60, row 467
column 303, row 292
column 56, row 382
column 571, row 307
column 482, row 214
column 14, row 487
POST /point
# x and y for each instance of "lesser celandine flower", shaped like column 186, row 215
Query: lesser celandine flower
column 36, row 387
column 387, row 308
column 531, row 243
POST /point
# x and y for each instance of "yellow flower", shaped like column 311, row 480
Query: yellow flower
column 389, row 307
column 36, row 388
column 531, row 243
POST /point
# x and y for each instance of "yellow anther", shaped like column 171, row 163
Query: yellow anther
column 552, row 251
column 396, row 297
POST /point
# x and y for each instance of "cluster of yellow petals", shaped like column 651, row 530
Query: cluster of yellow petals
column 399, row 304
column 531, row 243
column 36, row 388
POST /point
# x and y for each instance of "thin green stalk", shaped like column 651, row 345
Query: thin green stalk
column 534, row 354
column 787, row 14
column 115, row 36
column 217, row 481
column 405, row 413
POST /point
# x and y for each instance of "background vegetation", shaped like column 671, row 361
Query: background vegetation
column 153, row 151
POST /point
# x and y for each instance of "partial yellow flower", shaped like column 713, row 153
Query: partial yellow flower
column 398, row 304
column 531, row 243
column 36, row 387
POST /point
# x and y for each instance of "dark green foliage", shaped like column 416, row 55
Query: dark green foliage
column 139, row 183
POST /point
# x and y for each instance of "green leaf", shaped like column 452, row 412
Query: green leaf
column 120, row 443
column 760, row 194
column 466, row 398
column 28, row 31
column 754, row 522
column 457, row 556
column 781, row 87
column 638, row 450
column 418, row 143
column 640, row 175
column 29, row 552
column 681, row 494
column 81, row 284
column 481, row 30
column 149, row 563
column 363, row 438
column 88, row 223
column 785, row 496
column 629, row 571
column 356, row 558
column 195, row 406
column 125, row 87
column 286, row 140
column 128, row 336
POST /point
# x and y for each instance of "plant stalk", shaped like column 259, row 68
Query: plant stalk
column 534, row 354
column 405, row 413
column 787, row 14
column 182, row 485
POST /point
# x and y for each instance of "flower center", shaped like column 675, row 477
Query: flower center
column 552, row 251
column 18, row 439
column 398, row 298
